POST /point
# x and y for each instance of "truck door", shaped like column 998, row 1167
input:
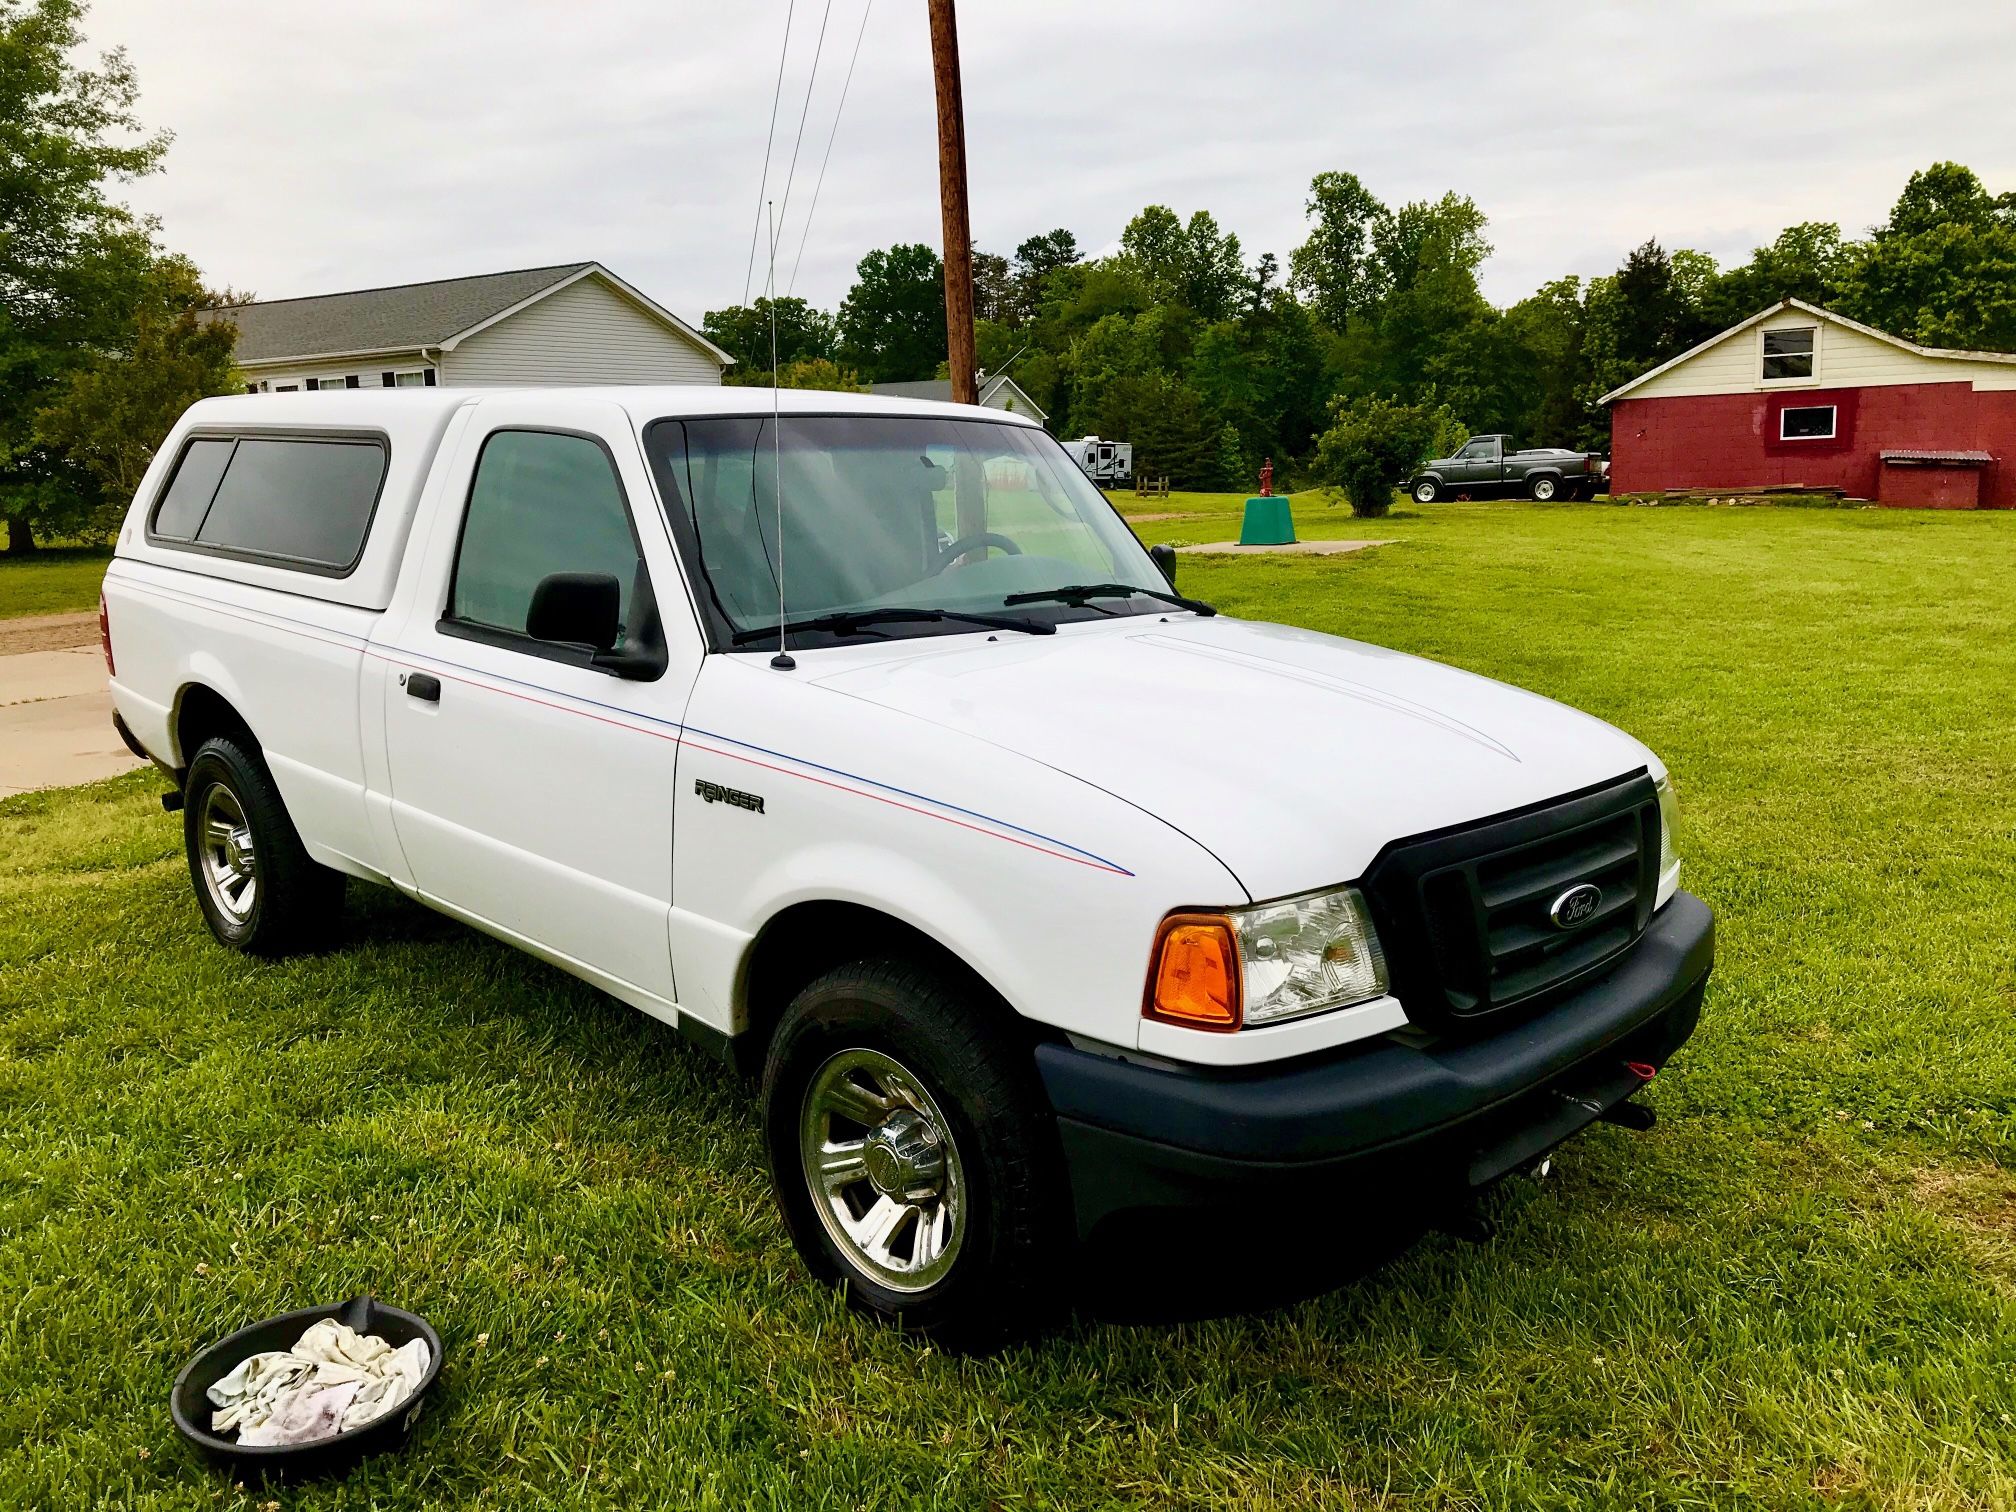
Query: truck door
column 532, row 792
column 1475, row 465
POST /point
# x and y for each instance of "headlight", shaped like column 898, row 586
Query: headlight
column 1669, row 847
column 1260, row 965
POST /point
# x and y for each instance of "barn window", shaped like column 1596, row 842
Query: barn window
column 1788, row 353
column 1807, row 422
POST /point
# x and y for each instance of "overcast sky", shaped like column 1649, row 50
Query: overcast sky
column 323, row 147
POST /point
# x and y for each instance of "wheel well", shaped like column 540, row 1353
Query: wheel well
column 808, row 939
column 202, row 712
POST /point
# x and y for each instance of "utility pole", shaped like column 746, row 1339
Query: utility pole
column 952, row 203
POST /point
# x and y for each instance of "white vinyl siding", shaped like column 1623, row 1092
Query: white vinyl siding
column 370, row 372
column 584, row 333
column 1844, row 358
column 1007, row 395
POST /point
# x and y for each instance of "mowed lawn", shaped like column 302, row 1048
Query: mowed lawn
column 1798, row 1290
column 54, row 580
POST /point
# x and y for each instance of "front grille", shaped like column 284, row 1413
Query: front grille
column 1464, row 913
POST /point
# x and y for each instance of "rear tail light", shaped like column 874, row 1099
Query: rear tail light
column 105, row 634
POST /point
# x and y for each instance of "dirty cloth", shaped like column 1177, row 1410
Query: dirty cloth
column 332, row 1380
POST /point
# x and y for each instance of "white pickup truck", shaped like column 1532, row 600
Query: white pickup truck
column 868, row 746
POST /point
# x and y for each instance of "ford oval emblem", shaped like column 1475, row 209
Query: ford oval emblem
column 1577, row 906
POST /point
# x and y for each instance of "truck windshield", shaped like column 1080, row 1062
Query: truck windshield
column 889, row 512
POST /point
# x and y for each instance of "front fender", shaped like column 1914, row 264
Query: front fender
column 1046, row 887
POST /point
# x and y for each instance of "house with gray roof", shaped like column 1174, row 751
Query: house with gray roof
column 999, row 392
column 571, row 323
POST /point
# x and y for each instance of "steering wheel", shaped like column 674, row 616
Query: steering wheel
column 953, row 550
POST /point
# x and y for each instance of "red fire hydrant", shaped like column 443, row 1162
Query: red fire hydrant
column 1267, row 478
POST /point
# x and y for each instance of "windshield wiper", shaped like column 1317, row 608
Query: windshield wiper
column 846, row 621
column 1078, row 594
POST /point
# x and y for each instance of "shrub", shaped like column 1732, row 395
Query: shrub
column 1372, row 445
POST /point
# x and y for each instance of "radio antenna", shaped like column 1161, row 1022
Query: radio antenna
column 782, row 661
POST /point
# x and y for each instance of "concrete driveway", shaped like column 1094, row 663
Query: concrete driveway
column 55, row 710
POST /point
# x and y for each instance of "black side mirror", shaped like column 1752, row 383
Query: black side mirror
column 577, row 609
column 1165, row 558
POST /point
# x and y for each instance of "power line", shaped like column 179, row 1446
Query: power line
column 831, row 137
column 776, row 95
column 804, row 111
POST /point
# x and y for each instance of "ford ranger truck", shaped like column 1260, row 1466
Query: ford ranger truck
column 1487, row 466
column 863, row 742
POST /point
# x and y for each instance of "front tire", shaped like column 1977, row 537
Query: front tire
column 258, row 889
column 1426, row 491
column 1542, row 490
column 914, row 1154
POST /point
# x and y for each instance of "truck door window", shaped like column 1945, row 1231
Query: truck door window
column 541, row 502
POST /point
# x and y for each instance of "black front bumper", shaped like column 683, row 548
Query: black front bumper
column 1455, row 1113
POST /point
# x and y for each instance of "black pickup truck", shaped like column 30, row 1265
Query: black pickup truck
column 1489, row 465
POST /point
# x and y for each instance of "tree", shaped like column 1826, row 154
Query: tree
column 1334, row 269
column 1164, row 417
column 1155, row 241
column 112, row 413
column 1546, row 329
column 993, row 288
column 1257, row 291
column 1035, row 260
column 1214, row 273
column 892, row 322
column 1808, row 261
column 1644, row 313
column 806, row 373
column 1422, row 241
column 743, row 331
column 1195, row 265
column 1372, row 445
column 73, row 265
column 1942, row 269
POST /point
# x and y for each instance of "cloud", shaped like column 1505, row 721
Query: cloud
column 334, row 147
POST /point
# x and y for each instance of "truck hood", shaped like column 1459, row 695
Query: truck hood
column 1293, row 757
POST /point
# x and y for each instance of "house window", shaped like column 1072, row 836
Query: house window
column 1788, row 353
column 414, row 379
column 1808, row 422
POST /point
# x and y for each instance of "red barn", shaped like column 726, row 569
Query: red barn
column 1799, row 396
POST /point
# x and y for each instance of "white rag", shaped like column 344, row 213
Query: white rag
column 332, row 1380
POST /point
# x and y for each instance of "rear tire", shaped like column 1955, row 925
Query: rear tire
column 914, row 1153
column 1543, row 489
column 258, row 889
column 1426, row 491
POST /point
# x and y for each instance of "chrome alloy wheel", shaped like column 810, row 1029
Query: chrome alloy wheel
column 882, row 1169
column 230, row 869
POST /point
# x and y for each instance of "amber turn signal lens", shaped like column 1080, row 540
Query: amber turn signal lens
column 1195, row 978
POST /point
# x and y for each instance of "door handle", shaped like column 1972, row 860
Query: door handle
column 424, row 686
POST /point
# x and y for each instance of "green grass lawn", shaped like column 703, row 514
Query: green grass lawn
column 54, row 580
column 1798, row 1290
